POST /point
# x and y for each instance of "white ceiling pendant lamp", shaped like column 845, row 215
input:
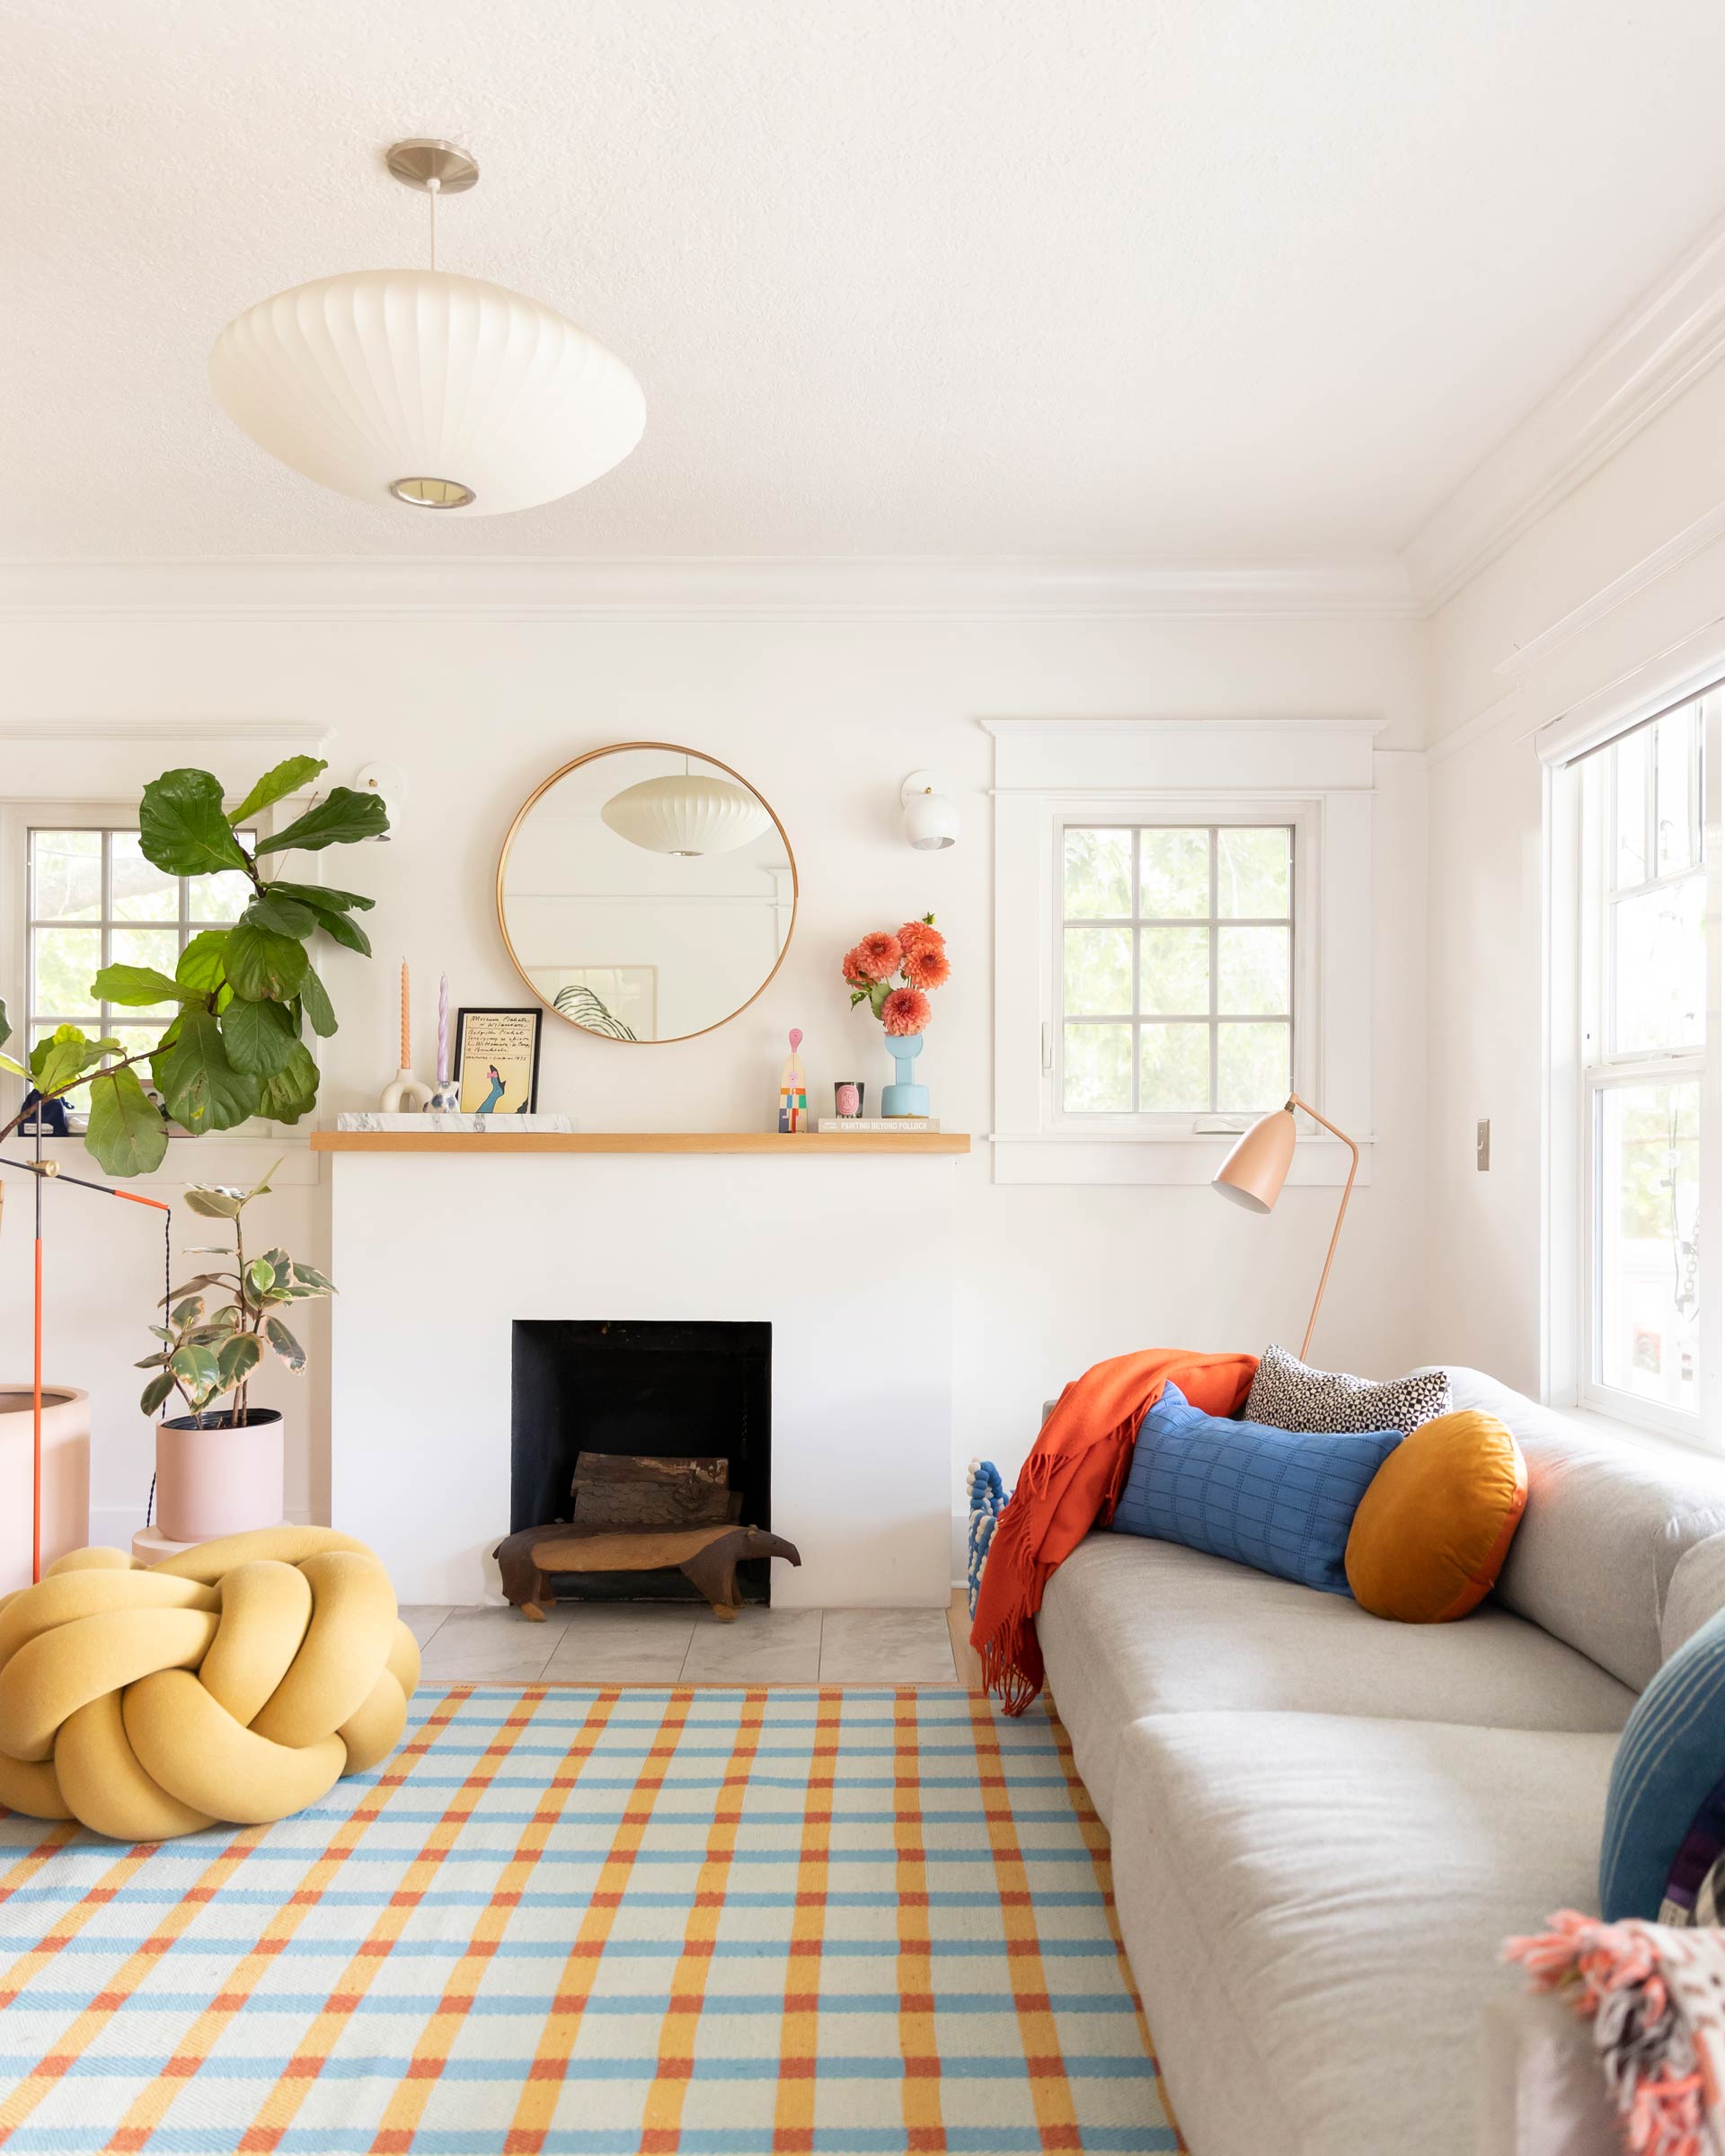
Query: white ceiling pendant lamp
column 438, row 391
column 686, row 814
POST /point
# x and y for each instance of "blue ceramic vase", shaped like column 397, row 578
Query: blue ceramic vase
column 904, row 1097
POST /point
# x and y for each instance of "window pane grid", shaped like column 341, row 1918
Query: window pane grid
column 1131, row 1023
column 65, row 950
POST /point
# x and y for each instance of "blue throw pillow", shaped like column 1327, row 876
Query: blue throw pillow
column 1665, row 1810
column 1279, row 1500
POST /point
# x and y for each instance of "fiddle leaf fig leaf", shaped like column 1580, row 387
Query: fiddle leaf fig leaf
column 201, row 963
column 324, row 897
column 291, row 776
column 182, row 829
column 138, row 987
column 292, row 1091
column 342, row 928
column 343, row 817
column 282, row 916
column 259, row 1038
column 314, row 998
column 126, row 1131
column 266, row 967
column 202, row 1089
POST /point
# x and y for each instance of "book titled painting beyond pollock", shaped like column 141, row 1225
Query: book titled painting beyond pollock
column 873, row 1123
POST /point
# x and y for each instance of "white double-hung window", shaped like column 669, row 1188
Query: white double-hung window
column 1647, row 1144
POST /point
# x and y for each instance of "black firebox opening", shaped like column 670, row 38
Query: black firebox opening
column 684, row 1389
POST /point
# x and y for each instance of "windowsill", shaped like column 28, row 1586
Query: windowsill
column 1169, row 1158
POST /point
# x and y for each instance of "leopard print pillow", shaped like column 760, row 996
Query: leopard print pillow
column 1290, row 1395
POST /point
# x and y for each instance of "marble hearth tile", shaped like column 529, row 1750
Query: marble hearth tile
column 886, row 1647
column 760, row 1647
column 488, row 1646
column 423, row 1618
column 632, row 1646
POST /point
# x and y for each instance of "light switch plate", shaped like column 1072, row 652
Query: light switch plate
column 1482, row 1145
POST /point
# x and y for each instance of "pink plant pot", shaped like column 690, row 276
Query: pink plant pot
column 66, row 1477
column 218, row 1482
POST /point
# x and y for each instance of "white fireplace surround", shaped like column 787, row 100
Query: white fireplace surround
column 849, row 1259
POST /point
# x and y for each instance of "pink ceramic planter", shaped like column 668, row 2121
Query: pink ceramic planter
column 218, row 1482
column 66, row 1477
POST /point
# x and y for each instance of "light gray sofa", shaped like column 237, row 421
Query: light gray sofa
column 1324, row 1825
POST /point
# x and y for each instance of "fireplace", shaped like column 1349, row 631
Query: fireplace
column 688, row 1389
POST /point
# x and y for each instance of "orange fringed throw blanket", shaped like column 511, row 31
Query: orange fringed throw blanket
column 1073, row 1479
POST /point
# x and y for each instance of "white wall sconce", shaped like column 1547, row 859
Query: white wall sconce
column 386, row 780
column 931, row 814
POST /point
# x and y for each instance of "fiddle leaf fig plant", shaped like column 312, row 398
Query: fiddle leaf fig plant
column 210, row 1348
column 244, row 995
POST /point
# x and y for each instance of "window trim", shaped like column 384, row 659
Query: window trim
column 1302, row 820
column 1580, row 1073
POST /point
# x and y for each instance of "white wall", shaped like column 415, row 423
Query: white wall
column 1611, row 596
column 825, row 717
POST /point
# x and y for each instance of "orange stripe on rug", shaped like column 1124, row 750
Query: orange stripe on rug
column 661, row 2126
column 153, row 2102
column 87, row 2026
column 27, row 1865
column 918, row 2042
column 406, row 2107
column 793, row 2110
column 1051, row 2097
column 281, row 2105
column 550, row 2066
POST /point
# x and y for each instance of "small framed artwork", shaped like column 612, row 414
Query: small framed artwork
column 497, row 1061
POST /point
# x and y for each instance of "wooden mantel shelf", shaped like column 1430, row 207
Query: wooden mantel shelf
column 642, row 1141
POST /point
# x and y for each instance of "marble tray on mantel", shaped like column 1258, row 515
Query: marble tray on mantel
column 370, row 1118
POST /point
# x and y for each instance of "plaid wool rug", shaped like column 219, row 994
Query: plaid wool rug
column 590, row 1922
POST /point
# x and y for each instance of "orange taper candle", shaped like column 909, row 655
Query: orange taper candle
column 407, row 1044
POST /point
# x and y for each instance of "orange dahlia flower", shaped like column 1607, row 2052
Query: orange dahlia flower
column 921, row 935
column 905, row 1011
column 878, row 956
column 927, row 967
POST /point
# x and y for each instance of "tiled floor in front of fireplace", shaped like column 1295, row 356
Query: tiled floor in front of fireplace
column 648, row 1643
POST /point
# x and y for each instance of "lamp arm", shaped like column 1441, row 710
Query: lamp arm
column 1294, row 1101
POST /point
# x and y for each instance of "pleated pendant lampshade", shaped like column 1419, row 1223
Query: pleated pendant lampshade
column 687, row 814
column 442, row 391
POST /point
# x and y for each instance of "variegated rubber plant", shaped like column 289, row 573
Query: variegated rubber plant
column 211, row 1346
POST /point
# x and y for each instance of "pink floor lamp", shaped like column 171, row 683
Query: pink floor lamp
column 1254, row 1172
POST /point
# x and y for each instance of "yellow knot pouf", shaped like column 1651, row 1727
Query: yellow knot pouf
column 238, row 1681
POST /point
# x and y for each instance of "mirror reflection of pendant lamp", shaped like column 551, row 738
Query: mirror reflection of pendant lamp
column 686, row 814
column 441, row 393
column 1254, row 1172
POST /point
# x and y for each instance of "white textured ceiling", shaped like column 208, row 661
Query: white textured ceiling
column 1180, row 278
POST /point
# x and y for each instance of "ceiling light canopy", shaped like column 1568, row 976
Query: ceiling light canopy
column 441, row 393
column 687, row 814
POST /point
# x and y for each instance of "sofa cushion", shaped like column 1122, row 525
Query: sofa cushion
column 1132, row 1628
column 1607, row 1520
column 1314, row 1903
column 1431, row 1535
column 1697, row 1593
column 1665, row 1822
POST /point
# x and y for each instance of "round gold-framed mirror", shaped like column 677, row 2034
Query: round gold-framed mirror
column 646, row 892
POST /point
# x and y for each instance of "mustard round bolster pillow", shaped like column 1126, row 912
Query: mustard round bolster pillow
column 1437, row 1520
column 235, row 1682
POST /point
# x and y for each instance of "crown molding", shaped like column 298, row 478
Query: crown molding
column 1670, row 337
column 691, row 588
